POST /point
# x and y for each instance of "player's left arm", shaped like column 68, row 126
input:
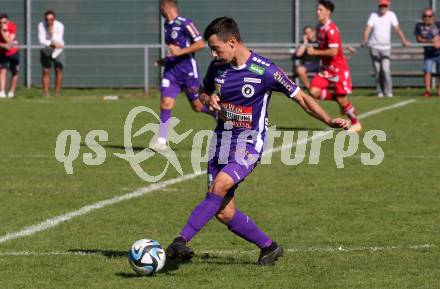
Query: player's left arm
column 314, row 109
column 278, row 81
column 197, row 41
column 331, row 52
column 399, row 32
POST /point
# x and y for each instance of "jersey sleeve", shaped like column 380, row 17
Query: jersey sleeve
column 371, row 20
column 277, row 80
column 208, row 83
column 418, row 30
column 394, row 20
column 333, row 37
column 12, row 28
column 192, row 31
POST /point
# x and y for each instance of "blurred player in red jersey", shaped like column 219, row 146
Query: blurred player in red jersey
column 9, row 55
column 334, row 68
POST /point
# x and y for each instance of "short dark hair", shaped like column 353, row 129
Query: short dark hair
column 4, row 15
column 224, row 27
column 49, row 12
column 308, row 27
column 327, row 4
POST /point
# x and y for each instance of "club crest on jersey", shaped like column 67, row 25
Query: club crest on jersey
column 174, row 34
column 248, row 90
column 257, row 69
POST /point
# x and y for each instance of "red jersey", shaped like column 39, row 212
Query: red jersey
column 12, row 29
column 330, row 37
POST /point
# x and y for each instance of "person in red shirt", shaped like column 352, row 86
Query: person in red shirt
column 334, row 69
column 9, row 55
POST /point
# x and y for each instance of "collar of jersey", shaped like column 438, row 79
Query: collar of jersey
column 172, row 21
column 326, row 24
column 244, row 65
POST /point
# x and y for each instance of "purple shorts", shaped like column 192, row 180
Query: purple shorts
column 173, row 84
column 238, row 168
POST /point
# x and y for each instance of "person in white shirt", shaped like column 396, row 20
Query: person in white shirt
column 51, row 36
column 379, row 26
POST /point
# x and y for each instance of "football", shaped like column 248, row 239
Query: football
column 146, row 257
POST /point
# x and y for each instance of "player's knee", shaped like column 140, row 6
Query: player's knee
column 315, row 92
column 221, row 187
column 301, row 70
column 166, row 103
column 225, row 215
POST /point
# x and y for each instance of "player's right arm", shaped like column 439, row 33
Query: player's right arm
column 207, row 94
column 42, row 35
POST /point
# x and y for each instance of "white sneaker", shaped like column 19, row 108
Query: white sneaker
column 159, row 147
column 380, row 95
column 11, row 94
column 356, row 127
column 2, row 94
column 389, row 95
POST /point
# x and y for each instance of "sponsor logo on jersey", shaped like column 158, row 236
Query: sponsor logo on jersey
column 219, row 80
column 248, row 90
column 241, row 116
column 176, row 28
column 252, row 80
column 257, row 69
column 280, row 77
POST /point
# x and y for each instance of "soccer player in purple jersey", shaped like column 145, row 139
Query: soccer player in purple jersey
column 181, row 72
column 238, row 85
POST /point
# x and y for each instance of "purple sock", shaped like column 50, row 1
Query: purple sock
column 201, row 214
column 246, row 228
column 165, row 115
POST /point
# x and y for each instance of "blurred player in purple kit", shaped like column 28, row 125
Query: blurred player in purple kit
column 238, row 84
column 180, row 72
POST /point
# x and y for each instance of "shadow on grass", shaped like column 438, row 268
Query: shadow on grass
column 123, row 148
column 105, row 253
column 295, row 128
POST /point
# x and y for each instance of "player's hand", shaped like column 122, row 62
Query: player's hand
column 339, row 123
column 213, row 103
column 364, row 44
column 406, row 43
column 311, row 50
column 174, row 50
column 305, row 40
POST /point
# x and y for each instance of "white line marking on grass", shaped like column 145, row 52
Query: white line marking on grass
column 340, row 249
column 55, row 221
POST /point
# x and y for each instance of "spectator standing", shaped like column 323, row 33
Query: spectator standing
column 379, row 26
column 9, row 55
column 309, row 63
column 51, row 36
column 428, row 32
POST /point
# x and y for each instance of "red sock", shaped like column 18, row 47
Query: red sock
column 350, row 112
column 326, row 94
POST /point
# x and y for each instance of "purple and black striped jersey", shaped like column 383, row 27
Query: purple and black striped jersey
column 245, row 93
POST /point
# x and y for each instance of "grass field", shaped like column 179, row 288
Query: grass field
column 357, row 227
